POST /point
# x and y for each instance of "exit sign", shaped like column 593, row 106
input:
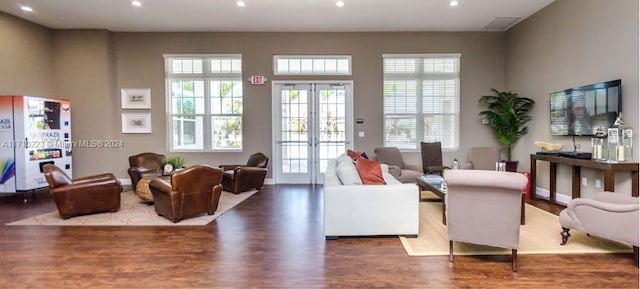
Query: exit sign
column 257, row 79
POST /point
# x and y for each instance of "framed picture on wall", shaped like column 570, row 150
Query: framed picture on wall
column 136, row 98
column 136, row 122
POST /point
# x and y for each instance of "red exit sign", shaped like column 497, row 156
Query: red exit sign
column 257, row 79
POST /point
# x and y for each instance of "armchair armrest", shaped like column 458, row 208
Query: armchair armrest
column 101, row 177
column 160, row 185
column 600, row 205
column 250, row 172
column 615, row 198
column 229, row 167
column 86, row 186
column 413, row 167
column 394, row 171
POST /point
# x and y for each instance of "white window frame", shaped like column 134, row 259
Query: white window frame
column 419, row 77
column 314, row 59
column 206, row 76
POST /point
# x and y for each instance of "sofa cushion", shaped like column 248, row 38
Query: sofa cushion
column 369, row 171
column 347, row 172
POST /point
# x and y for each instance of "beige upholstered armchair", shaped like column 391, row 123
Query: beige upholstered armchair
column 391, row 156
column 482, row 158
column 483, row 207
column 610, row 215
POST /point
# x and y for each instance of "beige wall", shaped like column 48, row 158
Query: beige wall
column 84, row 73
column 25, row 57
column 572, row 43
column 90, row 66
column 568, row 43
column 139, row 63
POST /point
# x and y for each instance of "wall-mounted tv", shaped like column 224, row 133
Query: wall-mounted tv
column 581, row 110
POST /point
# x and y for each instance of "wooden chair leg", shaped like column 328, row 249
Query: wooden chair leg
column 522, row 202
column 565, row 235
column 635, row 254
column 450, row 251
column 514, row 260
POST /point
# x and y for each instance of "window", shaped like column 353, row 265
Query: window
column 312, row 65
column 204, row 100
column 421, row 100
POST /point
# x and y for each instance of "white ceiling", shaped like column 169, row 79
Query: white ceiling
column 272, row 15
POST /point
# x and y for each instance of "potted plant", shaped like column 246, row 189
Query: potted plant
column 172, row 163
column 507, row 115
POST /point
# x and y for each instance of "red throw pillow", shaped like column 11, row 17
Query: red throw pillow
column 369, row 171
column 355, row 154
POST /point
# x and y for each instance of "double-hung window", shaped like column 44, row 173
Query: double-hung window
column 421, row 100
column 204, row 102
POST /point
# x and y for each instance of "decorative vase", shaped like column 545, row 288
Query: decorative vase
column 511, row 166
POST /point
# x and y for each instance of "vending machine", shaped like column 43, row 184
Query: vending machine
column 34, row 131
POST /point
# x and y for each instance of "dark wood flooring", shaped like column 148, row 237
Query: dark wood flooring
column 272, row 240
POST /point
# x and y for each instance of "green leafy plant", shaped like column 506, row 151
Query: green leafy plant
column 507, row 115
column 176, row 161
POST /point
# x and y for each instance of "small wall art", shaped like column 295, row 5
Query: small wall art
column 136, row 122
column 136, row 98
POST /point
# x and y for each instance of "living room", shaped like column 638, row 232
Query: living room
column 566, row 44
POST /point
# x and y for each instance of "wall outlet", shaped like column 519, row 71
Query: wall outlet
column 584, row 181
column 361, row 134
column 598, row 184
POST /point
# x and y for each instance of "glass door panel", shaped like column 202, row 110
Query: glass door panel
column 311, row 126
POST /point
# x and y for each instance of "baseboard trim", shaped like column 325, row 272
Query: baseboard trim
column 269, row 181
column 125, row 182
column 560, row 198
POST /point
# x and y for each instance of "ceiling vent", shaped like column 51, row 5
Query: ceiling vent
column 501, row 23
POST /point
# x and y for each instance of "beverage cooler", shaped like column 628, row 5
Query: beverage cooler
column 34, row 131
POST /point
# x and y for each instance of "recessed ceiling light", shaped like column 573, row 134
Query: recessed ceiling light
column 136, row 3
column 26, row 8
column 240, row 3
column 339, row 3
column 453, row 3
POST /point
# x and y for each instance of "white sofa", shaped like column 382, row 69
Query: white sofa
column 366, row 210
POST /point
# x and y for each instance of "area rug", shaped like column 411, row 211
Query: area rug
column 134, row 212
column 539, row 235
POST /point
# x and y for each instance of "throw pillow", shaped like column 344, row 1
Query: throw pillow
column 347, row 172
column 355, row 154
column 369, row 171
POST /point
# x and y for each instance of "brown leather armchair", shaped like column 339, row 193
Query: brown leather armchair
column 144, row 164
column 192, row 191
column 88, row 195
column 240, row 178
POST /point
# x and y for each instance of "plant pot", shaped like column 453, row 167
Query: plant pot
column 511, row 166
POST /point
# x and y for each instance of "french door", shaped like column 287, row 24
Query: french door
column 313, row 123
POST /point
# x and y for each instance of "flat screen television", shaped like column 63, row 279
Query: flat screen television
column 581, row 110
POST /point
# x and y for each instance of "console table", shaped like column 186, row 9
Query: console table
column 610, row 170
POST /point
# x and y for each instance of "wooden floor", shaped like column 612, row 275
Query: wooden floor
column 272, row 240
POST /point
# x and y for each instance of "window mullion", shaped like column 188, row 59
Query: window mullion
column 207, row 115
column 419, row 103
